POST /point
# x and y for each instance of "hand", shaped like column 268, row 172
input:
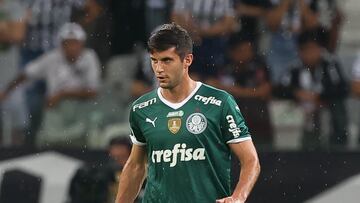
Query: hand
column 54, row 100
column 309, row 96
column 229, row 200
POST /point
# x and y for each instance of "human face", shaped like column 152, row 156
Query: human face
column 310, row 54
column 72, row 49
column 120, row 153
column 242, row 53
column 169, row 68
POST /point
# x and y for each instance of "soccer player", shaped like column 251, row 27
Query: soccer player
column 183, row 133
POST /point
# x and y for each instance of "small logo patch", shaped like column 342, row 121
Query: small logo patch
column 148, row 120
column 196, row 123
column 175, row 114
column 174, row 125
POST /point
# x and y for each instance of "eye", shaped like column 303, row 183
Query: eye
column 167, row 60
column 154, row 61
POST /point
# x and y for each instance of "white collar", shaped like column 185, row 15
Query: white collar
column 180, row 104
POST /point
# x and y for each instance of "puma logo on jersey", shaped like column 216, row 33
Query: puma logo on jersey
column 208, row 100
column 232, row 126
column 150, row 121
column 172, row 155
column 144, row 104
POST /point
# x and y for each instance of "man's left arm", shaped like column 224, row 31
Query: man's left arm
column 250, row 169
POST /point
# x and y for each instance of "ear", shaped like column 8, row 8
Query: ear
column 188, row 60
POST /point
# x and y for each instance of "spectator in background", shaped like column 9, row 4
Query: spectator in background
column 330, row 19
column 96, row 21
column 12, row 32
column 119, row 151
column 97, row 183
column 71, row 73
column 250, row 14
column 45, row 19
column 355, row 83
column 127, row 42
column 143, row 82
column 285, row 19
column 156, row 13
column 247, row 78
column 316, row 83
column 209, row 22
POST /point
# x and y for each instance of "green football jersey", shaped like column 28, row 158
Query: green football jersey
column 187, row 144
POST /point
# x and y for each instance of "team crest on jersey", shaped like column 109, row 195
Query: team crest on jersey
column 174, row 125
column 196, row 123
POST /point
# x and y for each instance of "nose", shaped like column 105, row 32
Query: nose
column 159, row 68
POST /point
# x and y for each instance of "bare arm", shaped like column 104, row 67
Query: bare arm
column 224, row 26
column 12, row 31
column 249, row 10
column 73, row 94
column 337, row 22
column 309, row 17
column 263, row 91
column 132, row 176
column 250, row 169
column 355, row 88
column 274, row 16
column 185, row 21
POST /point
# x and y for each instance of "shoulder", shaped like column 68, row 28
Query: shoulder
column 144, row 101
column 208, row 91
column 89, row 53
column 51, row 56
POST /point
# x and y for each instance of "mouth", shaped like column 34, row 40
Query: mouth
column 161, row 78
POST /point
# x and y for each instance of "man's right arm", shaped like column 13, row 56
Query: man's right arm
column 133, row 175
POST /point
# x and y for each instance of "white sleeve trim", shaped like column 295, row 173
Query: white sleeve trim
column 237, row 140
column 135, row 141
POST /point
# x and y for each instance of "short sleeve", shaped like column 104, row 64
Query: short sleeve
column 38, row 68
column 136, row 135
column 233, row 125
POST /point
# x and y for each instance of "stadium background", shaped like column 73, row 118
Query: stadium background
column 288, row 174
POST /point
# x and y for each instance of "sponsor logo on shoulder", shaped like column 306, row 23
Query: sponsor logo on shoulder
column 144, row 104
column 180, row 152
column 232, row 126
column 208, row 100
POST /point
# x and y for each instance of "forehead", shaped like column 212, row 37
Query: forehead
column 169, row 53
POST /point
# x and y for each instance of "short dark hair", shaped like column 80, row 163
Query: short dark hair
column 168, row 36
column 120, row 141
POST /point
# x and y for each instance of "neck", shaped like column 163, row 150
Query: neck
column 180, row 92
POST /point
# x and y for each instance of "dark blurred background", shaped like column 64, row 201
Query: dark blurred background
column 69, row 70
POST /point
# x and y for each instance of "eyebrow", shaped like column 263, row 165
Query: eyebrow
column 162, row 59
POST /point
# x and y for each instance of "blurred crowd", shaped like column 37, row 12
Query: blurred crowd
column 70, row 68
